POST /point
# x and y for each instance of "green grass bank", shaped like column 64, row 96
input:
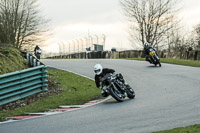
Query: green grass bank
column 189, row 129
column 11, row 60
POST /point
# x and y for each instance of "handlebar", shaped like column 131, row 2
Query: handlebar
column 106, row 77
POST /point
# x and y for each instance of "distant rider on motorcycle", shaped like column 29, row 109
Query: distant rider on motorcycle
column 100, row 72
column 37, row 51
column 147, row 47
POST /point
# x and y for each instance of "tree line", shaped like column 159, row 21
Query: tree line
column 156, row 22
column 21, row 24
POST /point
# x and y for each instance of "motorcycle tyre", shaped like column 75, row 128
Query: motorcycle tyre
column 115, row 96
column 160, row 64
column 130, row 94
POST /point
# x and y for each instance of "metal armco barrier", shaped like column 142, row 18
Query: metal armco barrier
column 32, row 60
column 21, row 84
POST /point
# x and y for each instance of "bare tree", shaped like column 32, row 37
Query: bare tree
column 21, row 24
column 149, row 20
column 187, row 42
column 197, row 36
column 183, row 42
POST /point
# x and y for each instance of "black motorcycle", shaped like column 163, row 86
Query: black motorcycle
column 38, row 53
column 154, row 57
column 114, row 85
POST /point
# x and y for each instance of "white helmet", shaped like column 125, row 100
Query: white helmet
column 146, row 45
column 98, row 69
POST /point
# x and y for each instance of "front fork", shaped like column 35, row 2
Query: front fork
column 155, row 58
column 119, row 89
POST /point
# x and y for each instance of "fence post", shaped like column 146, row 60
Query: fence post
column 44, row 86
column 34, row 62
column 31, row 60
column 27, row 56
column 38, row 63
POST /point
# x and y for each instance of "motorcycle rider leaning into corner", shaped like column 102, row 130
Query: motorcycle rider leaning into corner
column 100, row 72
column 147, row 47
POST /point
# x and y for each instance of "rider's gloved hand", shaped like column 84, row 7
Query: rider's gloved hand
column 113, row 74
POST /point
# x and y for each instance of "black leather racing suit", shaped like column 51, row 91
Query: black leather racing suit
column 104, row 72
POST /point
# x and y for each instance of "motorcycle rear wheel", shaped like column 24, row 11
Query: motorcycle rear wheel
column 160, row 64
column 116, row 94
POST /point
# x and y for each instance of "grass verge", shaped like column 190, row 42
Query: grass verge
column 76, row 90
column 174, row 61
column 189, row 129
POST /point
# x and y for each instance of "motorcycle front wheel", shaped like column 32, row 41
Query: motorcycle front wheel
column 130, row 92
column 116, row 94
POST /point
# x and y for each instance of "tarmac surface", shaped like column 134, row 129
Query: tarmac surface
column 166, row 97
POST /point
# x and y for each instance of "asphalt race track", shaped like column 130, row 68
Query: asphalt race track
column 166, row 98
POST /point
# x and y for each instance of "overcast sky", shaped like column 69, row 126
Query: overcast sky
column 72, row 19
